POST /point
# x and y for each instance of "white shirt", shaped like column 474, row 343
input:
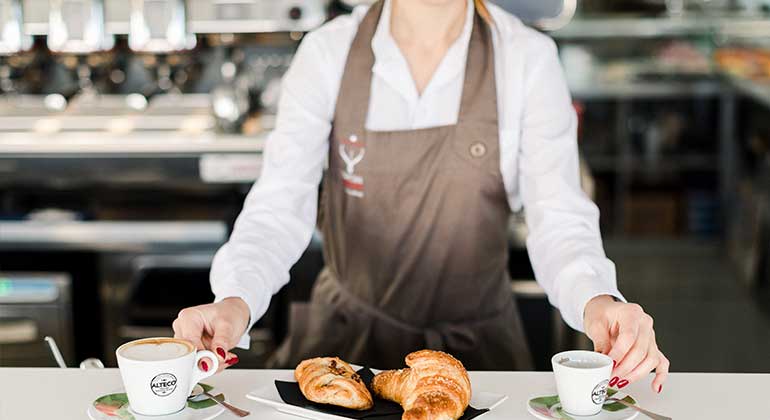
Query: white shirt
column 539, row 158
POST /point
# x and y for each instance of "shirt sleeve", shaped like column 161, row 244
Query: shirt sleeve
column 279, row 213
column 564, row 242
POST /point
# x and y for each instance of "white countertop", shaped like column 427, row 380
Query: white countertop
column 48, row 393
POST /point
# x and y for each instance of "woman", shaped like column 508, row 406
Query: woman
column 436, row 118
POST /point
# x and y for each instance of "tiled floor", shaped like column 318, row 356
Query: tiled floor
column 705, row 319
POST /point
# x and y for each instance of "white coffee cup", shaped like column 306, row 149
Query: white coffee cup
column 581, row 380
column 160, row 373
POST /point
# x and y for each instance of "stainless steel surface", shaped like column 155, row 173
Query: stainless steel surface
column 112, row 115
column 647, row 413
column 88, row 143
column 118, row 124
column 77, row 27
column 159, row 26
column 110, row 236
column 55, row 351
column 91, row 363
column 12, row 36
column 35, row 305
column 545, row 14
column 205, row 16
column 171, row 173
column 250, row 16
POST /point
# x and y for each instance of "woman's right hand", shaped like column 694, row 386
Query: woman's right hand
column 215, row 326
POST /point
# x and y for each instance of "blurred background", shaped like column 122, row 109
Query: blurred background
column 130, row 132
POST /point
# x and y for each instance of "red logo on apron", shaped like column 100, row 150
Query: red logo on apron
column 352, row 152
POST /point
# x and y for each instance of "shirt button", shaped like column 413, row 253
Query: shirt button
column 478, row 149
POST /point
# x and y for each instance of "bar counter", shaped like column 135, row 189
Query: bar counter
column 48, row 393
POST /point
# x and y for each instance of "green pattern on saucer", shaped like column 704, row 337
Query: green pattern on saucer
column 116, row 405
column 550, row 405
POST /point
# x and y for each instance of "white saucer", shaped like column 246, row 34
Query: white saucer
column 554, row 412
column 125, row 413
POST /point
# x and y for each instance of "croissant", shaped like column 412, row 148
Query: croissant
column 330, row 380
column 435, row 386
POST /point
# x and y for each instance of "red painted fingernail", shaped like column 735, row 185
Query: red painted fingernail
column 622, row 383
column 614, row 381
column 233, row 360
column 614, row 363
column 660, row 388
column 205, row 366
column 221, row 352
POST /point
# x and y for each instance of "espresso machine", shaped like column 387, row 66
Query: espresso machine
column 130, row 133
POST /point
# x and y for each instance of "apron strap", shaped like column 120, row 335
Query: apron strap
column 357, row 78
column 479, row 96
column 479, row 100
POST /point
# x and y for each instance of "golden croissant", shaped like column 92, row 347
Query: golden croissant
column 330, row 380
column 434, row 387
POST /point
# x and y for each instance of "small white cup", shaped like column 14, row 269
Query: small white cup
column 581, row 380
column 158, row 383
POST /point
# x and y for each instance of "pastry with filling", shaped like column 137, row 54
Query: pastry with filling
column 331, row 380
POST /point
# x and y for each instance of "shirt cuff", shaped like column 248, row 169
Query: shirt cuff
column 256, row 309
column 582, row 301
column 577, row 290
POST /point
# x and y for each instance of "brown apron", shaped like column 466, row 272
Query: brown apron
column 414, row 226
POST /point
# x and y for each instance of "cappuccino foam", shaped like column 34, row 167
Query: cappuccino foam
column 156, row 350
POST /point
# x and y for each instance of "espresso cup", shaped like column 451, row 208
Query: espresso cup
column 581, row 380
column 160, row 373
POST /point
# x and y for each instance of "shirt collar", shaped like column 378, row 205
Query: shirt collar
column 386, row 51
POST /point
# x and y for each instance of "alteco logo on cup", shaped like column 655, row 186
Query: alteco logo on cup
column 163, row 384
column 599, row 394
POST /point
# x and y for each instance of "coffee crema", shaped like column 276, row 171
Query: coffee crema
column 155, row 349
column 581, row 364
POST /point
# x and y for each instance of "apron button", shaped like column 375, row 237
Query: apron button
column 478, row 149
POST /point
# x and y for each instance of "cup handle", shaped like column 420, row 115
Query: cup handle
column 199, row 375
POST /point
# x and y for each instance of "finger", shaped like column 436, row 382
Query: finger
column 231, row 359
column 206, row 339
column 646, row 366
column 189, row 328
column 625, row 340
column 635, row 356
column 630, row 325
column 205, row 364
column 209, row 344
column 661, row 373
column 221, row 341
column 600, row 335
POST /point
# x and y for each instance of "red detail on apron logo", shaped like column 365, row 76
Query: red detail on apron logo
column 354, row 184
column 352, row 152
column 349, row 184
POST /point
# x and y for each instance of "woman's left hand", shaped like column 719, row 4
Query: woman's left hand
column 624, row 332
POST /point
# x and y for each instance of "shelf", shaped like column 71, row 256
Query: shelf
column 132, row 144
column 757, row 91
column 647, row 90
column 688, row 25
column 665, row 164
column 110, row 236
